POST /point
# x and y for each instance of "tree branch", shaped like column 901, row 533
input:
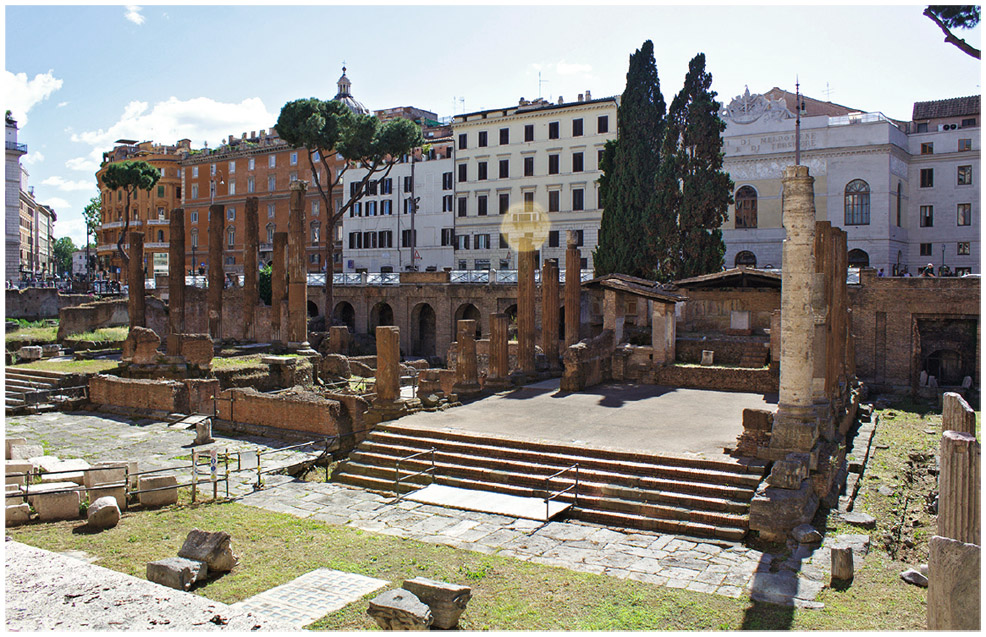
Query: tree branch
column 961, row 44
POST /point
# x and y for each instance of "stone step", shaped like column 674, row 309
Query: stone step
column 28, row 385
column 34, row 375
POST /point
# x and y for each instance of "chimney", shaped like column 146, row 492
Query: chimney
column 230, row 142
column 263, row 134
column 561, row 100
column 581, row 97
column 253, row 134
column 243, row 136
column 588, row 96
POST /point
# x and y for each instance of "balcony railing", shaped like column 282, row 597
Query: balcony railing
column 16, row 146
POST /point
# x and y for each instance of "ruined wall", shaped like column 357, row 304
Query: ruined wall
column 233, row 326
column 97, row 314
column 709, row 310
column 34, row 304
column 759, row 381
column 588, row 362
column 483, row 356
column 298, row 412
column 129, row 393
column 728, row 351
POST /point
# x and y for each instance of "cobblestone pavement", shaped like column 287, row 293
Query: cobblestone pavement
column 733, row 570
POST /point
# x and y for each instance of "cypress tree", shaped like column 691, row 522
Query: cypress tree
column 630, row 168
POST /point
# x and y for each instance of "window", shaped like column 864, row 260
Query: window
column 925, row 249
column 195, row 238
column 195, row 171
column 578, row 199
column 553, row 130
column 584, row 263
column 271, row 183
column 481, row 264
column 386, row 186
column 504, row 202
column 160, row 191
column 899, row 192
column 970, row 121
column 552, row 238
column 448, row 236
column 294, row 159
column 529, row 132
column 483, row 243
column 371, row 209
column 923, row 127
column 462, row 242
column 857, row 203
column 579, row 237
column 927, row 217
column 359, row 208
column 251, row 163
column 408, row 184
column 746, row 207
column 504, row 168
column 462, row 141
column 481, row 205
column 230, row 261
column 963, row 248
column 577, row 162
column 292, row 177
column 964, row 214
column 553, row 164
column 232, row 167
column 160, row 213
column 195, row 191
column 271, row 161
column 481, row 176
column 602, row 124
column 503, row 244
column 315, row 232
column 446, row 181
column 927, row 177
column 964, row 145
column 371, row 187
column 528, row 166
column 409, row 238
column 447, row 203
column 462, row 206
column 195, row 216
column 928, row 148
column 554, row 200
column 577, row 127
column 314, row 208
column 270, row 233
column 212, row 170
column 370, row 239
column 462, row 173
column 965, row 176
column 386, row 207
column 462, row 264
column 482, row 139
column 231, row 187
column 504, row 136
column 230, row 236
column 160, row 236
column 528, row 202
column 250, row 184
column 270, row 211
column 353, row 239
column 231, row 214
column 385, row 239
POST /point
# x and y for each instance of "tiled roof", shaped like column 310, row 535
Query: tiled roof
column 813, row 107
column 741, row 277
column 955, row 107
column 635, row 286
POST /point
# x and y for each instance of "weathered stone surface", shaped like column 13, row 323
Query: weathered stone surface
column 399, row 609
column 707, row 357
column 954, row 585
column 142, row 344
column 104, row 513
column 118, row 493
column 163, row 497
column 774, row 512
column 101, row 476
column 29, row 353
column 446, row 601
column 806, row 534
column 858, row 518
column 959, row 488
column 17, row 514
column 842, row 564
column 213, row 548
column 14, row 468
column 57, row 506
column 388, row 382
column 914, row 576
column 24, row 452
column 203, row 432
column 71, row 470
column 12, row 442
column 336, row 364
column 197, row 349
column 50, row 349
column 788, row 473
column 573, row 293
column 176, row 572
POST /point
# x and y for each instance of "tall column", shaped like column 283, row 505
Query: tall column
column 252, row 236
column 959, row 487
column 388, row 380
column 525, row 307
column 135, row 283
column 549, row 313
column 499, row 351
column 278, row 287
column 297, row 269
column 466, row 373
column 573, row 290
column 176, row 281
column 217, row 274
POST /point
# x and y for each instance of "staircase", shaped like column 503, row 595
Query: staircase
column 754, row 355
column 699, row 497
column 23, row 384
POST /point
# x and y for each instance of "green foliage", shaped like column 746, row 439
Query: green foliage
column 92, row 214
column 264, row 289
column 131, row 176
column 956, row 16
column 64, row 247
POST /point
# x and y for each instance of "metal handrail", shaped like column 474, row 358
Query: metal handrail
column 397, row 470
column 551, row 495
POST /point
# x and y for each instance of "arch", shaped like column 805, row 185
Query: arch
column 423, row 330
column 381, row 314
column 747, row 258
column 271, row 228
column 746, row 207
column 467, row 311
column 346, row 314
column 946, row 366
column 857, row 203
column 858, row 259
column 511, row 313
column 230, row 236
column 312, row 309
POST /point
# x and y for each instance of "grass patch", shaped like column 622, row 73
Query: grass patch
column 102, row 335
column 33, row 334
column 237, row 362
column 71, row 367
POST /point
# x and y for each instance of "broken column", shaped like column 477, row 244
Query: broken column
column 525, row 308
column 466, row 373
column 613, row 314
column 176, row 281
column 297, row 270
column 549, row 313
column 250, row 297
column 278, row 287
column 217, row 274
column 135, row 277
column 958, row 488
column 662, row 332
column 957, row 415
column 573, row 290
column 499, row 371
column 388, row 380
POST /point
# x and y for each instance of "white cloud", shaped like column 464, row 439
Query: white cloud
column 62, row 104
column 33, row 157
column 89, row 164
column 56, row 203
column 72, row 226
column 133, row 14
column 22, row 94
column 69, row 186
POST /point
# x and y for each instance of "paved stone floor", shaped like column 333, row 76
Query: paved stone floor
column 733, row 570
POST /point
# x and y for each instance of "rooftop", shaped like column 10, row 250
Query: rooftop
column 954, row 107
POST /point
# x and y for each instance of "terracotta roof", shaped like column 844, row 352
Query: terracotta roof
column 955, row 107
column 636, row 286
column 741, row 277
column 813, row 107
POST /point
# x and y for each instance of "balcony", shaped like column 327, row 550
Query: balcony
column 158, row 222
column 18, row 147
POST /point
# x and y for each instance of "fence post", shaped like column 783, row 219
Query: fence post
column 213, row 472
column 327, row 459
column 195, row 473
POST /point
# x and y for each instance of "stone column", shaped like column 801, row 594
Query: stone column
column 959, row 488
column 388, row 381
column 466, row 374
column 549, row 313
column 613, row 314
column 662, row 332
column 525, row 308
column 775, row 340
column 573, row 290
column 499, row 352
column 176, row 281
column 957, row 415
column 297, row 270
column 250, row 239
column 135, row 281
column 217, row 274
column 278, row 287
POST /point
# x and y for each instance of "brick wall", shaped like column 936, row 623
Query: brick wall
column 297, row 412
column 92, row 316
column 709, row 310
column 728, row 351
column 130, row 393
column 760, row 381
column 34, row 304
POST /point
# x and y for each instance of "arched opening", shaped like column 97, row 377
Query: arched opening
column 467, row 311
column 345, row 314
column 857, row 203
column 511, row 313
column 946, row 366
column 858, row 259
column 746, row 207
column 747, row 258
column 381, row 314
column 312, row 309
column 423, row 328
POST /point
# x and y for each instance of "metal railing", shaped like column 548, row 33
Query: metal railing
column 397, row 470
column 551, row 495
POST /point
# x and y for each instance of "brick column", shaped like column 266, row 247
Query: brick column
column 466, row 374
column 176, row 281
column 217, row 274
column 573, row 290
column 252, row 236
column 499, row 352
column 525, row 308
column 297, row 269
column 278, row 287
column 135, row 283
column 549, row 313
column 388, row 381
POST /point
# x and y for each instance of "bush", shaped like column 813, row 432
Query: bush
column 263, row 284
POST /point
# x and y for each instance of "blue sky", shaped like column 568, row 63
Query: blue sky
column 80, row 77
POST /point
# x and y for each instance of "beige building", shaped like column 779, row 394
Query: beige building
column 29, row 225
column 536, row 156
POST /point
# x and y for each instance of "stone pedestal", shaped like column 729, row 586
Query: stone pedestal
column 217, row 273
column 135, row 280
column 250, row 297
column 573, row 290
column 388, row 382
column 959, row 488
column 279, row 288
column 176, row 281
column 549, row 314
column 297, row 270
column 466, row 372
column 499, row 371
column 525, row 311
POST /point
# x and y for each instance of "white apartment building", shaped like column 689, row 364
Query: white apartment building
column 12, row 199
column 386, row 232
column 533, row 155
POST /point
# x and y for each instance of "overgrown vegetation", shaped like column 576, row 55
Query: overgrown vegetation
column 33, row 333
column 237, row 362
column 102, row 335
column 72, row 367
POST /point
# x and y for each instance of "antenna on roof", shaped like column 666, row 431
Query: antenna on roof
column 797, row 122
column 828, row 92
column 540, row 82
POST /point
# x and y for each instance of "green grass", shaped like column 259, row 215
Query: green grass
column 72, row 367
column 102, row 335
column 33, row 334
column 237, row 362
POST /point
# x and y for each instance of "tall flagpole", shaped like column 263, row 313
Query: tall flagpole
column 797, row 122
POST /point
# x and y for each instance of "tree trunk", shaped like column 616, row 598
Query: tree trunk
column 330, row 233
column 123, row 234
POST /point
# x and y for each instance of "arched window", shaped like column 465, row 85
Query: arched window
column 857, row 203
column 858, row 259
column 230, row 236
column 316, row 230
column 746, row 207
column 160, row 236
column 270, row 232
column 899, row 194
column 747, row 258
column 195, row 238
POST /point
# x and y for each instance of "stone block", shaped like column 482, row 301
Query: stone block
column 176, row 572
column 446, row 601
column 29, row 353
column 336, row 365
column 25, row 452
column 399, row 609
column 35, row 490
column 141, row 345
column 14, row 468
column 131, row 465
column 57, row 506
column 203, row 432
column 11, row 442
column 806, row 534
column 102, row 476
column 213, row 548
column 788, row 473
column 163, row 497
column 118, row 493
column 103, row 513
column 17, row 514
column 842, row 564
column 914, row 576
column 858, row 518
column 45, row 463
column 71, row 470
column 954, row 585
column 707, row 356
column 775, row 512
column 197, row 349
column 50, row 349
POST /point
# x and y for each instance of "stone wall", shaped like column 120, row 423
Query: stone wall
column 709, row 310
column 483, row 356
column 588, row 362
column 305, row 412
column 78, row 319
column 135, row 394
column 34, row 304
column 728, row 350
column 759, row 381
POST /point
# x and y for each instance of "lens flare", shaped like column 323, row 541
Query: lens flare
column 525, row 226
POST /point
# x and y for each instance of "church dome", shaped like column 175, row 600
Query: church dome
column 346, row 97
